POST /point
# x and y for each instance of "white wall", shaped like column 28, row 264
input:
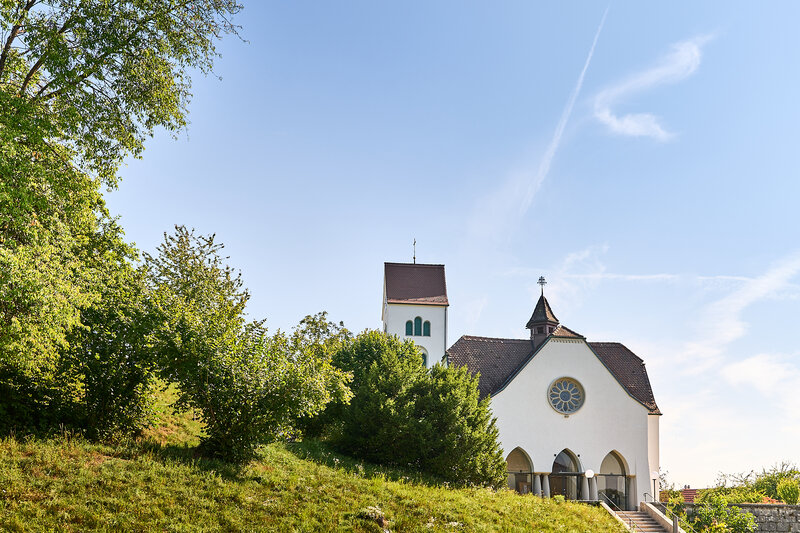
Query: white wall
column 394, row 322
column 609, row 419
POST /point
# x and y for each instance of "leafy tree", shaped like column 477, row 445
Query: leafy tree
column 454, row 430
column 737, row 494
column 789, row 490
column 378, row 423
column 768, row 481
column 108, row 361
column 715, row 515
column 82, row 84
column 401, row 414
column 248, row 387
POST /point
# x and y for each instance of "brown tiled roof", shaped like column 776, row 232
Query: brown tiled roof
column 499, row 360
column 495, row 359
column 629, row 370
column 542, row 313
column 563, row 331
column 415, row 284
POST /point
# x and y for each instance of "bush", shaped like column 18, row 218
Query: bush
column 249, row 388
column 789, row 491
column 740, row 494
column 403, row 415
column 716, row 515
column 455, row 431
column 767, row 482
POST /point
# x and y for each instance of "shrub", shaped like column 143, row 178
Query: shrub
column 249, row 388
column 455, row 431
column 716, row 515
column 740, row 494
column 767, row 482
column 789, row 490
column 401, row 414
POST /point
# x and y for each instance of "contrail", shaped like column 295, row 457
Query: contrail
column 544, row 167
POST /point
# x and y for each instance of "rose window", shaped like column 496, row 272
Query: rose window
column 565, row 395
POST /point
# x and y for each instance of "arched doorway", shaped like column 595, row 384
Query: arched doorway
column 519, row 471
column 611, row 481
column 566, row 475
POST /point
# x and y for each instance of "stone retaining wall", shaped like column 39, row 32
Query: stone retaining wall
column 771, row 517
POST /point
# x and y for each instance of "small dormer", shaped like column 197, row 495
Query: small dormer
column 542, row 322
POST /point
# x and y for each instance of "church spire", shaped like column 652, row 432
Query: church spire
column 543, row 321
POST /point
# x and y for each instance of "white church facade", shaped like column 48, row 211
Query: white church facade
column 576, row 418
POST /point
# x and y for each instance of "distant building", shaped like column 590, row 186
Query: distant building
column 575, row 418
column 415, row 306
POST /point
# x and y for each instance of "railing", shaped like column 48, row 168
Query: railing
column 682, row 522
column 616, row 508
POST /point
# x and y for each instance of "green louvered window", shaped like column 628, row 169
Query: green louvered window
column 418, row 326
column 409, row 328
column 426, row 329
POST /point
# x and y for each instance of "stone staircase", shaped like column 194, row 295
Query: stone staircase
column 640, row 522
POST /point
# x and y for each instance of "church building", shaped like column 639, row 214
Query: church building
column 415, row 307
column 575, row 418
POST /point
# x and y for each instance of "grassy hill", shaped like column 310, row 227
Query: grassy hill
column 66, row 484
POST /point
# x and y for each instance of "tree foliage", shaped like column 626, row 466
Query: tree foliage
column 83, row 83
column 248, row 387
column 715, row 515
column 789, row 490
column 401, row 414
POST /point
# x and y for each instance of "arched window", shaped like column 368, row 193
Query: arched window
column 565, row 477
column 409, row 328
column 426, row 329
column 611, row 481
column 418, row 326
column 519, row 468
column 424, row 357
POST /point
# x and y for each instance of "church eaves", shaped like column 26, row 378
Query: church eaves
column 499, row 360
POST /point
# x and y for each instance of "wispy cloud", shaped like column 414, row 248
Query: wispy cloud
column 499, row 214
column 721, row 322
column 555, row 142
column 679, row 64
column 776, row 377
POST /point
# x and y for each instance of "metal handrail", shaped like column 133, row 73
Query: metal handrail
column 684, row 522
column 614, row 506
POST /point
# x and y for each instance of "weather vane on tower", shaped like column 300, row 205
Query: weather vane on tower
column 415, row 251
column 542, row 282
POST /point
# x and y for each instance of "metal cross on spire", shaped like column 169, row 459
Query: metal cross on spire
column 542, row 282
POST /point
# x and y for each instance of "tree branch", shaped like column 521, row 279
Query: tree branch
column 35, row 68
column 15, row 31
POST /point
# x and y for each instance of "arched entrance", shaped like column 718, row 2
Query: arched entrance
column 611, row 481
column 565, row 478
column 519, row 471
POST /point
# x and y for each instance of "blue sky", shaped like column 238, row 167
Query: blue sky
column 646, row 166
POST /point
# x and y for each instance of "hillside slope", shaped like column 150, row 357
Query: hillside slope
column 67, row 484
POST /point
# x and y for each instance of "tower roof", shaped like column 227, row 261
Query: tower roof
column 414, row 283
column 542, row 314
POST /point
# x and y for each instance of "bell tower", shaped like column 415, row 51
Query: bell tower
column 543, row 322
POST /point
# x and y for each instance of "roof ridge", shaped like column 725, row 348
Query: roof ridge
column 482, row 338
column 414, row 264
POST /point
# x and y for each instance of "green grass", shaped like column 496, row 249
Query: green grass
column 159, row 484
